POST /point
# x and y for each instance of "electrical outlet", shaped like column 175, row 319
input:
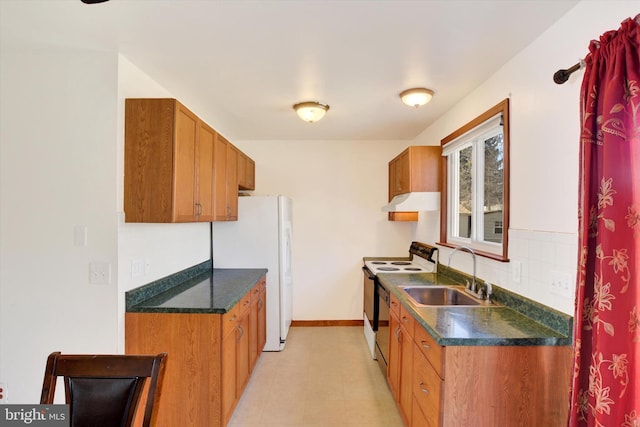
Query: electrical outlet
column 3, row 393
column 561, row 284
column 100, row 273
column 137, row 267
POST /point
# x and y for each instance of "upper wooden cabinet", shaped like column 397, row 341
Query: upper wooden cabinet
column 205, row 172
column 225, row 157
column 246, row 172
column 177, row 168
column 415, row 169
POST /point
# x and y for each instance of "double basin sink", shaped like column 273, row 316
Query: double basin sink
column 442, row 296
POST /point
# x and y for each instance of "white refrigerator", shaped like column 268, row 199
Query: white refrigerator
column 262, row 238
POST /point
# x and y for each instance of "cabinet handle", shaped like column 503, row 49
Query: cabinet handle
column 425, row 345
column 397, row 333
column 260, row 303
column 241, row 332
column 233, row 319
column 424, row 390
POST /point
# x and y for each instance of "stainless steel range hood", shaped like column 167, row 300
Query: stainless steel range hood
column 412, row 202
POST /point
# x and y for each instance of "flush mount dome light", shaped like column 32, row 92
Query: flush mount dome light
column 311, row 111
column 416, row 97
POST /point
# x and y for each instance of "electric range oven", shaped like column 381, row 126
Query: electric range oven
column 422, row 259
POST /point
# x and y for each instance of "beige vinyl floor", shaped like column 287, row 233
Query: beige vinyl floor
column 324, row 377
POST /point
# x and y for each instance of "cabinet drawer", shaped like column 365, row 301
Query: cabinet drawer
column 426, row 389
column 394, row 305
column 230, row 319
column 406, row 320
column 418, row 418
column 431, row 350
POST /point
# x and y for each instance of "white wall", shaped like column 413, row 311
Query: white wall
column 58, row 171
column 544, row 151
column 338, row 189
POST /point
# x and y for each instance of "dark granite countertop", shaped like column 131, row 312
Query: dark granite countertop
column 199, row 289
column 492, row 325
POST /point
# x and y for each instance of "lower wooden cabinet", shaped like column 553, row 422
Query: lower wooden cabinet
column 235, row 355
column 258, row 322
column 480, row 386
column 406, row 358
column 395, row 356
column 210, row 358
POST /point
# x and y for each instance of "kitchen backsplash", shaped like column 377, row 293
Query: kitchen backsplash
column 542, row 267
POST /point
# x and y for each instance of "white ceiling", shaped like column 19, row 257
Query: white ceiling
column 248, row 62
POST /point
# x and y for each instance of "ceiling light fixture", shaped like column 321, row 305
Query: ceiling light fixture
column 416, row 97
column 311, row 111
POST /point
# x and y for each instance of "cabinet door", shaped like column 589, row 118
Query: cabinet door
column 220, row 178
column 242, row 356
column 232, row 183
column 262, row 319
column 205, row 169
column 250, row 174
column 253, row 327
column 406, row 357
column 246, row 172
column 403, row 181
column 229, row 379
column 393, row 364
column 184, row 166
column 225, row 158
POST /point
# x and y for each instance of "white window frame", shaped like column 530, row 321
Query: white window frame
column 474, row 135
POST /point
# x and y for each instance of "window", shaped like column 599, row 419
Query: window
column 475, row 200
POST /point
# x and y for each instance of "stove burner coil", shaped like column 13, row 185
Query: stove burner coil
column 388, row 269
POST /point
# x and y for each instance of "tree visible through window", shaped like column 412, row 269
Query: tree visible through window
column 475, row 202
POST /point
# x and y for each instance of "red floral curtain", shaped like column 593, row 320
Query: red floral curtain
column 607, row 318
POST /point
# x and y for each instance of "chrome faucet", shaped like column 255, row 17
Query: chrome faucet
column 473, row 286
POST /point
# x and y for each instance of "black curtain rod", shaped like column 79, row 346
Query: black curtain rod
column 562, row 76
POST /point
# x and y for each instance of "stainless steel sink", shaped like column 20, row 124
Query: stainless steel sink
column 439, row 295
